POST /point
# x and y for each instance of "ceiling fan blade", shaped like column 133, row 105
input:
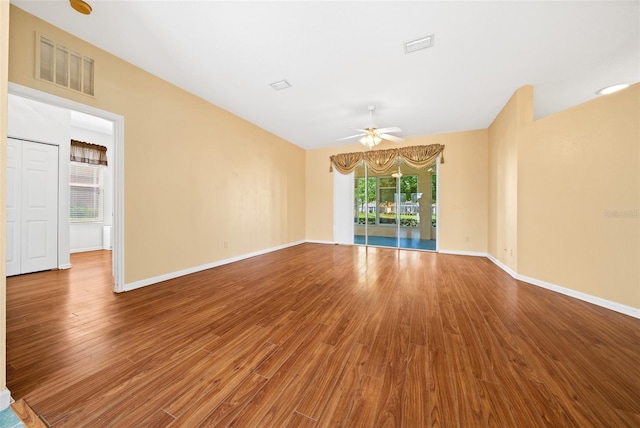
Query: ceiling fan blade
column 391, row 138
column 348, row 138
column 390, row 129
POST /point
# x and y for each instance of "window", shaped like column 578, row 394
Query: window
column 57, row 64
column 86, row 193
column 378, row 201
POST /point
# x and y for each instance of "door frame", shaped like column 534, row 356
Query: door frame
column 118, row 167
column 340, row 190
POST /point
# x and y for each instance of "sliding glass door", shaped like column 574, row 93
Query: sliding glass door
column 395, row 208
column 375, row 214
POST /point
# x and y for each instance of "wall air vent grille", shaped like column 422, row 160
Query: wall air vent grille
column 57, row 64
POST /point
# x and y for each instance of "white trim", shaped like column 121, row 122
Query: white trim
column 463, row 253
column 5, row 399
column 84, row 250
column 437, row 201
column 314, row 241
column 64, row 266
column 608, row 304
column 118, row 172
column 149, row 281
column 502, row 266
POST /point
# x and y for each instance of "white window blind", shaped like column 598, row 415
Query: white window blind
column 86, row 193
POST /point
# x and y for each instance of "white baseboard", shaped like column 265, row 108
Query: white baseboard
column 502, row 266
column 5, row 399
column 463, row 253
column 64, row 266
column 313, row 241
column 84, row 250
column 608, row 304
column 149, row 281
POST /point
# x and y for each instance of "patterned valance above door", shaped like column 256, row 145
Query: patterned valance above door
column 417, row 157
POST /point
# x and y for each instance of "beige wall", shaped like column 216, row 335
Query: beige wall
column 4, row 57
column 506, row 131
column 463, row 189
column 196, row 176
column 564, row 194
column 579, row 198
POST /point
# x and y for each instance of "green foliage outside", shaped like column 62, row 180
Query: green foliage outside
column 83, row 214
column 406, row 220
column 408, row 186
column 367, row 194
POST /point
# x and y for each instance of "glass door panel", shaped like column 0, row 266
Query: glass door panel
column 417, row 200
column 395, row 208
column 385, row 231
column 375, row 214
column 364, row 204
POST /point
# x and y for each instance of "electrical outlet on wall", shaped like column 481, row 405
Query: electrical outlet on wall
column 226, row 244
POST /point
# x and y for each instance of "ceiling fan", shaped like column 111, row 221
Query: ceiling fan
column 372, row 136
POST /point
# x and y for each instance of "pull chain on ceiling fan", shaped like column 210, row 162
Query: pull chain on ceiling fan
column 372, row 136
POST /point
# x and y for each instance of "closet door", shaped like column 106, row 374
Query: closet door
column 34, row 207
column 14, row 180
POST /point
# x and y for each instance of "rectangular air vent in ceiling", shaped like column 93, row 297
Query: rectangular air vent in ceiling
column 280, row 85
column 418, row 44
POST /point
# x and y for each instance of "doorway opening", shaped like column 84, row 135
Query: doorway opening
column 84, row 119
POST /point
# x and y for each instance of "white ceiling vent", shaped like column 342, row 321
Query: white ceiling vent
column 282, row 84
column 418, row 44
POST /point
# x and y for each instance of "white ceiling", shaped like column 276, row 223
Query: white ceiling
column 341, row 56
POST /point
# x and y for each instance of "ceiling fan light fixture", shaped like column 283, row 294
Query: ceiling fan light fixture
column 81, row 6
column 370, row 140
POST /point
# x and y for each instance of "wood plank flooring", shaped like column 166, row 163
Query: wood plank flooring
column 319, row 335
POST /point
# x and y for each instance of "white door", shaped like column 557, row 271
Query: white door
column 34, row 208
column 14, row 180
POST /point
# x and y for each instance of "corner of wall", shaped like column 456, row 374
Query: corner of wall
column 505, row 134
column 4, row 90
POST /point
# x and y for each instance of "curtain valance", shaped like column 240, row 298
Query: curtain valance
column 93, row 154
column 417, row 157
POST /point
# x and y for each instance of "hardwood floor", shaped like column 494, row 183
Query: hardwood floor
column 319, row 335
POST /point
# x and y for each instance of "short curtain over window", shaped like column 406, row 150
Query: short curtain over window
column 92, row 154
column 86, row 188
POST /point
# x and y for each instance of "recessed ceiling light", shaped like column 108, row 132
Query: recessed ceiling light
column 613, row 88
column 282, row 84
column 418, row 44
